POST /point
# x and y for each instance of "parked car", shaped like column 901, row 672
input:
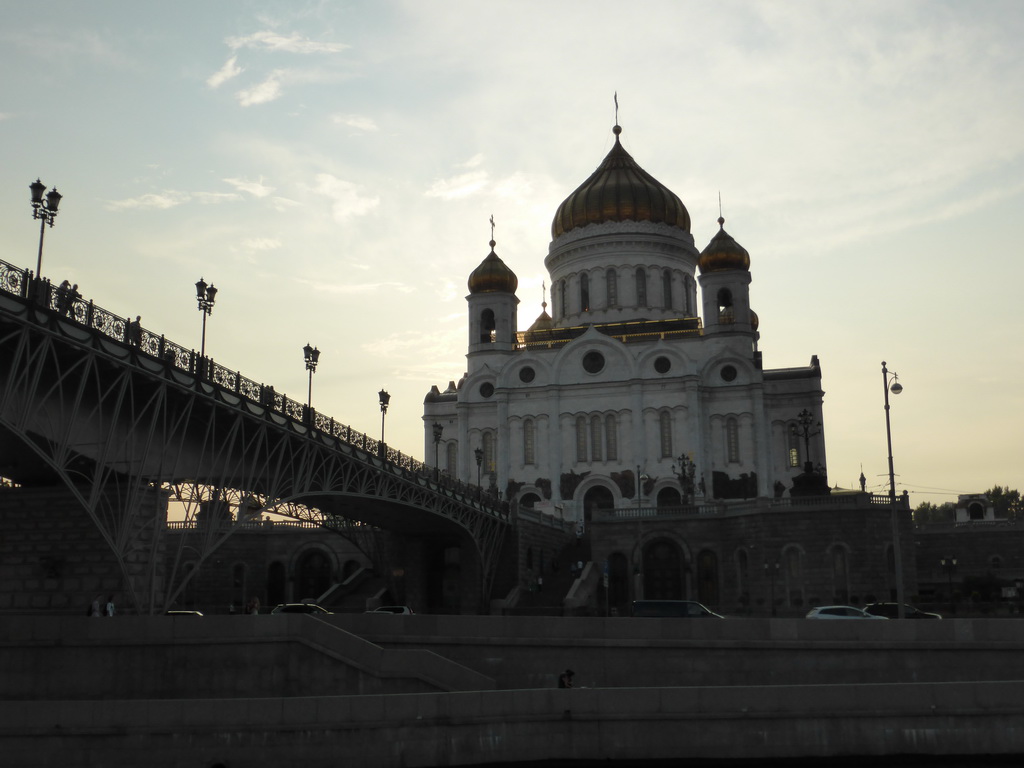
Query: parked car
column 891, row 611
column 298, row 608
column 399, row 609
column 840, row 612
column 677, row 609
column 182, row 613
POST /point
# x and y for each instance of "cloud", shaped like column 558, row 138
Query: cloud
column 345, row 196
column 213, row 198
column 254, row 188
column 151, row 201
column 294, row 43
column 261, row 244
column 261, row 93
column 227, row 72
column 463, row 185
column 358, row 122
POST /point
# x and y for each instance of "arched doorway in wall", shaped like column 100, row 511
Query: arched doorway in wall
column 707, row 577
column 669, row 497
column 597, row 497
column 618, row 584
column 663, row 571
column 528, row 500
column 312, row 575
column 276, row 583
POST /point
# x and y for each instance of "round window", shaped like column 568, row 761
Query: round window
column 527, row 374
column 486, row 389
column 662, row 365
column 728, row 373
column 593, row 362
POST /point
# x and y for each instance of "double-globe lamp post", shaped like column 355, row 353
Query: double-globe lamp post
column 438, row 430
column 312, row 357
column 890, row 383
column 46, row 211
column 385, row 398
column 206, row 295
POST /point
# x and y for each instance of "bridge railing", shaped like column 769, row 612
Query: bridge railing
column 65, row 301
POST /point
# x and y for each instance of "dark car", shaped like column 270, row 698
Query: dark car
column 674, row 609
column 891, row 610
column 299, row 608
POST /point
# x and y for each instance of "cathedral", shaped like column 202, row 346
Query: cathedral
column 638, row 411
column 644, row 386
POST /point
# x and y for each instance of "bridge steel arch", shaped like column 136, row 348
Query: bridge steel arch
column 125, row 420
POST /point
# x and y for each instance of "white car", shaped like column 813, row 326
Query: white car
column 840, row 612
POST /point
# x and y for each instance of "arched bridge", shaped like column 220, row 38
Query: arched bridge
column 126, row 419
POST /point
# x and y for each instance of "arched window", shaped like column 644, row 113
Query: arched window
column 686, row 295
column 584, row 292
column 793, row 450
column 563, row 297
column 641, row 287
column 595, row 438
column 528, row 455
column 666, row 288
column 794, row 576
column 732, row 440
column 611, row 438
column 726, row 314
column 452, row 452
column 665, row 430
column 581, row 439
column 487, row 326
column 488, row 446
column 611, row 279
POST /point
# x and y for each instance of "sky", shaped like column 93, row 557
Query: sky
column 331, row 167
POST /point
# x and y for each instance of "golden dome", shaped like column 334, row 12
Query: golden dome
column 619, row 190
column 754, row 320
column 723, row 253
column 493, row 276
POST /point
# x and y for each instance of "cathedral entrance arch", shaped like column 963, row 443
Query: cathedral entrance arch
column 597, row 497
column 618, row 584
column 669, row 497
column 313, row 575
column 663, row 571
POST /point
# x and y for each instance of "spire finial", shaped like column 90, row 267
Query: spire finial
column 543, row 296
column 617, row 129
column 492, row 231
column 721, row 218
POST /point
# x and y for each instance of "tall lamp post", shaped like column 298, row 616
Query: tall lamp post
column 46, row 211
column 206, row 295
column 806, row 420
column 949, row 566
column 890, row 383
column 479, row 455
column 687, row 471
column 312, row 357
column 385, row 398
column 438, row 429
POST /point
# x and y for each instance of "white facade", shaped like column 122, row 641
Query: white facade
column 650, row 355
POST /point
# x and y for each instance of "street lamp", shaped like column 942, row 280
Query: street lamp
column 312, row 357
column 890, row 383
column 206, row 295
column 46, row 211
column 438, row 429
column 806, row 420
column 640, row 480
column 479, row 454
column 949, row 566
column 687, row 471
column 772, row 569
column 385, row 398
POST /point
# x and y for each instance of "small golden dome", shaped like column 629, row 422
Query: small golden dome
column 619, row 190
column 493, row 276
column 723, row 253
column 754, row 321
column 543, row 322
